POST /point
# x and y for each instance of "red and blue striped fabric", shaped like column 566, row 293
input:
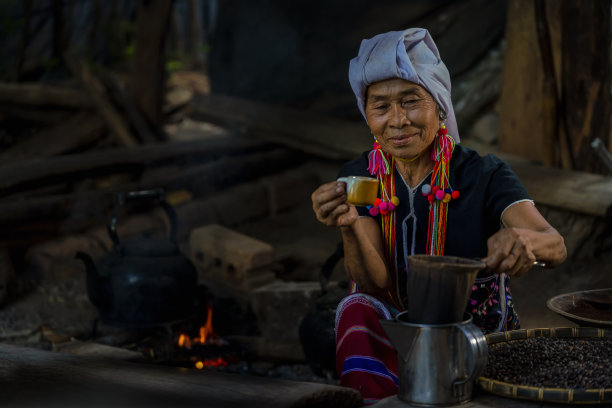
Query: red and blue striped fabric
column 365, row 358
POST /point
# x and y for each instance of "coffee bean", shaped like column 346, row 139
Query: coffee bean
column 552, row 362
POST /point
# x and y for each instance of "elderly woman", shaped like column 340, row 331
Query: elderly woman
column 436, row 197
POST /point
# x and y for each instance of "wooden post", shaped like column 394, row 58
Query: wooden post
column 556, row 85
column 148, row 75
column 586, row 77
column 527, row 103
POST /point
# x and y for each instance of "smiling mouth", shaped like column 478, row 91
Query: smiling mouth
column 401, row 139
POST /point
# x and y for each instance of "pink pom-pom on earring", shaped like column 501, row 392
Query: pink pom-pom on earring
column 374, row 211
column 440, row 194
column 383, row 206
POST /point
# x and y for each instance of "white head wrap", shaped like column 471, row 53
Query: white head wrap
column 410, row 54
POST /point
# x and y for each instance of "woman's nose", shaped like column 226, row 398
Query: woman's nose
column 399, row 118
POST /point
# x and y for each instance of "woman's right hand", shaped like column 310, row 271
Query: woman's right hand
column 330, row 205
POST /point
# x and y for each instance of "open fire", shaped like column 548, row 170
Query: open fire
column 206, row 336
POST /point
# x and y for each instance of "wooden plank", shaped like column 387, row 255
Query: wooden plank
column 307, row 131
column 24, row 175
column 35, row 94
column 581, row 192
column 37, row 377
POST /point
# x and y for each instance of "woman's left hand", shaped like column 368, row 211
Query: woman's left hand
column 510, row 251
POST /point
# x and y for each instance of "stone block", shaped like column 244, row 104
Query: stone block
column 281, row 306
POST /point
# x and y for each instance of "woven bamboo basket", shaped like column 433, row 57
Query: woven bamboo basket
column 544, row 394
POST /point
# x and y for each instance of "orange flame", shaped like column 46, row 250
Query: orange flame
column 207, row 329
column 205, row 332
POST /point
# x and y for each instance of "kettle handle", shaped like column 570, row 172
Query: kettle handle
column 478, row 352
column 123, row 197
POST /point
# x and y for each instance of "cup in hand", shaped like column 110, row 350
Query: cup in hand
column 360, row 191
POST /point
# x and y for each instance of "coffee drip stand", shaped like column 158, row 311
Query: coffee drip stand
column 440, row 351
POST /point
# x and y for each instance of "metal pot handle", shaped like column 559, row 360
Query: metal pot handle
column 122, row 198
column 478, row 355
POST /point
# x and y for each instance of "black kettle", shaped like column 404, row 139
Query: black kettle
column 143, row 281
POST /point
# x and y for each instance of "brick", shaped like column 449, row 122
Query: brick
column 221, row 252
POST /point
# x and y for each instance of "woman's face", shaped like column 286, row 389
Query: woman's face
column 402, row 116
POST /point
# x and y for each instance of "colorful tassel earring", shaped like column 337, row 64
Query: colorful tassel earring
column 381, row 165
column 441, row 193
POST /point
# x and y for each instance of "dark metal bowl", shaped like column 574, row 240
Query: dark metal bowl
column 586, row 307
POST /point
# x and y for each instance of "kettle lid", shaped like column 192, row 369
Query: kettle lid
column 153, row 247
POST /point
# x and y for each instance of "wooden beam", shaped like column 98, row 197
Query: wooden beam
column 307, row 131
column 28, row 220
column 35, row 94
column 576, row 191
column 24, row 175
column 43, row 378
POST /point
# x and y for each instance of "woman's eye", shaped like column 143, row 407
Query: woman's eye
column 409, row 101
column 381, row 107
